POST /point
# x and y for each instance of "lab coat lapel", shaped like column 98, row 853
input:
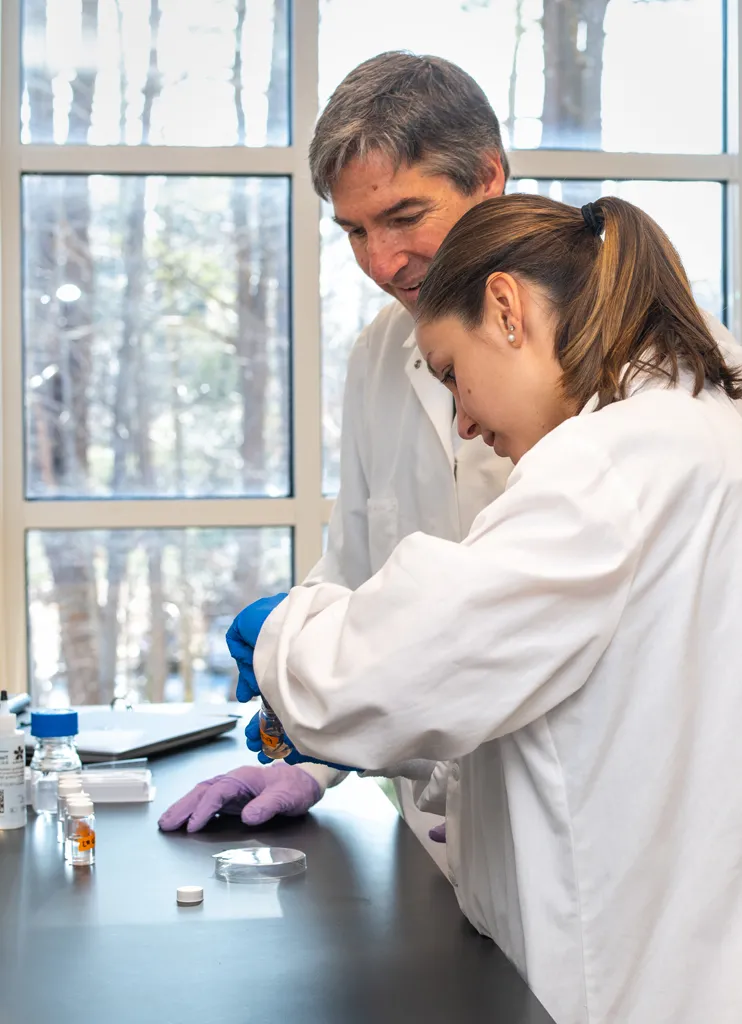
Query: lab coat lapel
column 434, row 398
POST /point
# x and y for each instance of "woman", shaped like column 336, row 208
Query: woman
column 575, row 659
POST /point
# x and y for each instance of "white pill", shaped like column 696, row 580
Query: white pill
column 189, row 895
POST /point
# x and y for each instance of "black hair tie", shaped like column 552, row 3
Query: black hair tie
column 593, row 218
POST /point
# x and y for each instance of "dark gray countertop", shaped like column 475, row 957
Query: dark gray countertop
column 371, row 934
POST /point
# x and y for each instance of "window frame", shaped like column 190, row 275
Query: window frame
column 306, row 512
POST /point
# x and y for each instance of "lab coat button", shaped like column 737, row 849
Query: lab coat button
column 455, row 773
column 418, row 363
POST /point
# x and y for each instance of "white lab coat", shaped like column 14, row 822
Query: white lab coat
column 576, row 662
column 403, row 469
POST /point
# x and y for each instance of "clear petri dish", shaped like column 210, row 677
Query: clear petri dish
column 259, row 863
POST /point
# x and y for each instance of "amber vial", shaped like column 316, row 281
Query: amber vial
column 272, row 735
column 79, row 832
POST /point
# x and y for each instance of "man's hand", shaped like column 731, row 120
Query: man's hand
column 242, row 636
column 438, row 833
column 254, row 743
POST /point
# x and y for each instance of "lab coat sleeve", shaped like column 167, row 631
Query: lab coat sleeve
column 417, row 769
column 452, row 645
column 325, row 776
column 430, row 794
column 347, row 559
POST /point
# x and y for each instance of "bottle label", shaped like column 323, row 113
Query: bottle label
column 12, row 785
column 12, row 763
column 86, row 842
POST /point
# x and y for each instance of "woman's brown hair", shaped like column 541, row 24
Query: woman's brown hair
column 623, row 300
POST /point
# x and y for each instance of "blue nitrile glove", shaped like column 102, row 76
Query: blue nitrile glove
column 252, row 733
column 242, row 636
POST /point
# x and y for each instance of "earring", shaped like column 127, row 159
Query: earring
column 511, row 335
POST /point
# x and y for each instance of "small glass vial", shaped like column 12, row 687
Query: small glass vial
column 79, row 831
column 55, row 753
column 70, row 784
column 272, row 736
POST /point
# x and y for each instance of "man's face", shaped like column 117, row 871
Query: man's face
column 397, row 219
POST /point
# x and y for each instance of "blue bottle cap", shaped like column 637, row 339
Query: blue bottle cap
column 54, row 722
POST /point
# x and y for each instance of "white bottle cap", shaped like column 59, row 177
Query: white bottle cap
column 187, row 895
column 79, row 806
column 69, row 782
column 8, row 724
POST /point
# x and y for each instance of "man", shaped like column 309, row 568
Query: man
column 405, row 146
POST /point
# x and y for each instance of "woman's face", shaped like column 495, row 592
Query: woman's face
column 503, row 374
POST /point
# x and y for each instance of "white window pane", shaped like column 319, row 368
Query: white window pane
column 618, row 75
column 163, row 72
column 156, row 320
column 142, row 614
column 689, row 211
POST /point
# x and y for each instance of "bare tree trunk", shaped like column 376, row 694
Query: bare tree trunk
column 41, row 113
column 157, row 653
column 116, row 550
column 83, row 87
column 186, row 623
column 130, row 435
column 157, row 662
column 274, row 254
column 122, row 74
column 70, row 554
column 573, row 70
column 250, row 335
column 513, row 81
column 78, row 271
column 184, row 591
column 65, row 438
column 249, row 339
column 278, row 113
column 255, row 310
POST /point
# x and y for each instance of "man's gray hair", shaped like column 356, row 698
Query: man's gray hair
column 411, row 109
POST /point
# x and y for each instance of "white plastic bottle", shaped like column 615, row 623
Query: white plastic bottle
column 12, row 765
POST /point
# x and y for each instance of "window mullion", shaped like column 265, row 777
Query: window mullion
column 734, row 188
column 228, row 160
column 307, row 369
column 13, row 610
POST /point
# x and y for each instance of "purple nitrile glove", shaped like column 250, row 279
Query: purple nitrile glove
column 254, row 743
column 255, row 793
column 438, row 833
column 242, row 636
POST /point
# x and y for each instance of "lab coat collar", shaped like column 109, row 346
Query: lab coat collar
column 644, row 381
column 434, row 398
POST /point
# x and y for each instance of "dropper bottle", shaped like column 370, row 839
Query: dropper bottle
column 12, row 768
